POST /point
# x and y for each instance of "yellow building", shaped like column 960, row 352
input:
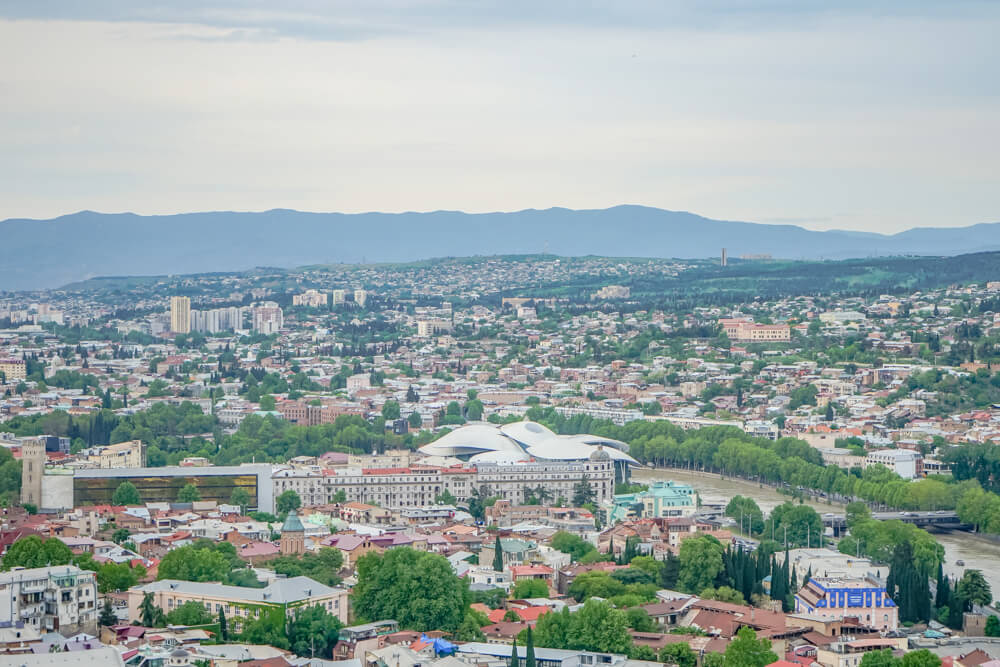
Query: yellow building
column 14, row 370
column 239, row 603
column 121, row 455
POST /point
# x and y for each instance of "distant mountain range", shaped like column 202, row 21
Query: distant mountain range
column 36, row 254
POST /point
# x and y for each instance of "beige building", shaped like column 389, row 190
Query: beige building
column 129, row 454
column 50, row 599
column 339, row 296
column 238, row 603
column 419, row 486
column 360, row 297
column 14, row 370
column 310, row 298
column 32, row 470
column 748, row 331
column 180, row 314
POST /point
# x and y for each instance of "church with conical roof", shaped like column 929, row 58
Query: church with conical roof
column 293, row 536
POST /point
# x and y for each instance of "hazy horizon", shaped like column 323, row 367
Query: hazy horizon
column 861, row 117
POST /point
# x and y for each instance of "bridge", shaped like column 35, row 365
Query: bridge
column 942, row 518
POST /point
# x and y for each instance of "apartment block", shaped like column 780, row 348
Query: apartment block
column 51, row 599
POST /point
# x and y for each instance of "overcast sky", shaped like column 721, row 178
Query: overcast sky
column 876, row 115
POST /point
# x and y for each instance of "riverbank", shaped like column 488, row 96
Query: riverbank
column 974, row 550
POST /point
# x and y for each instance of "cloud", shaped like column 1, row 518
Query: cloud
column 871, row 117
column 366, row 19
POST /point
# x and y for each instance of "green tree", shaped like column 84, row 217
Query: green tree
column 115, row 577
column 32, row 551
column 270, row 628
column 107, row 616
column 241, row 498
column 599, row 627
column 678, row 654
column 189, row 613
column 417, row 589
column 126, row 494
column 120, row 535
column 880, row 658
column 530, row 588
column 571, row 544
column 723, row 594
column 529, row 650
column 748, row 651
column 595, row 583
column 223, row 625
column 313, row 631
column 390, row 411
column 497, row 555
column 287, row 501
column 415, row 420
column 267, row 403
column 700, row 563
column 149, row 614
column 471, row 628
column 583, row 492
column 974, row 589
column 920, row 658
column 190, row 563
column 992, row 626
column 189, row 493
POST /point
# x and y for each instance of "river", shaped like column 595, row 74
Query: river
column 977, row 553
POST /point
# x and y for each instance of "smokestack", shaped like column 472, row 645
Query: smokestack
column 724, row 259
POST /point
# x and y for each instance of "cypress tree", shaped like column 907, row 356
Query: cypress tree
column 498, row 555
column 943, row 596
column 223, row 630
column 515, row 661
column 529, row 651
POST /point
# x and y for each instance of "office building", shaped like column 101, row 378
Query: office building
column 180, row 314
column 63, row 488
column 51, row 599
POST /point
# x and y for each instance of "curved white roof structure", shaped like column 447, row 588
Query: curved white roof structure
column 519, row 441
column 471, row 439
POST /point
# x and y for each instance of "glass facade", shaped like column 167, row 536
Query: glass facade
column 152, row 488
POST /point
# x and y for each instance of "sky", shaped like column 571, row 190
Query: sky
column 875, row 116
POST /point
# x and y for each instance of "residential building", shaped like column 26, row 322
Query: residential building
column 906, row 463
column 60, row 599
column 310, row 298
column 239, row 603
column 180, row 314
column 267, row 318
column 360, row 297
column 339, row 296
column 14, row 370
column 130, row 454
